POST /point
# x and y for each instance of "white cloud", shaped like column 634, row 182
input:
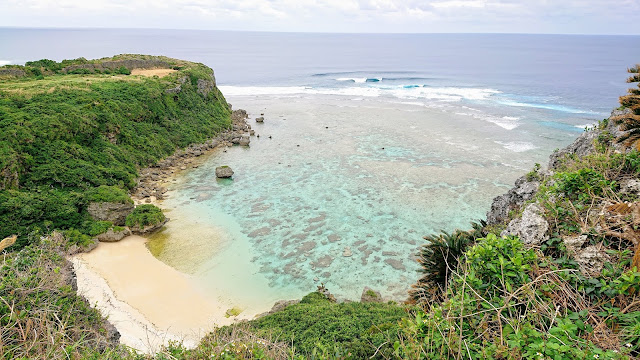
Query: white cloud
column 571, row 16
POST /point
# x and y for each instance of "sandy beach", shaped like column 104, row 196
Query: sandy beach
column 148, row 301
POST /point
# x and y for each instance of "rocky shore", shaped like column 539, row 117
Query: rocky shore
column 152, row 179
column 531, row 226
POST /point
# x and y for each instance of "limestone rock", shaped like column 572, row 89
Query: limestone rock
column 592, row 259
column 523, row 191
column 630, row 186
column 532, row 227
column 113, row 236
column 107, row 211
column 370, row 296
column 205, row 86
column 148, row 229
column 244, row 141
column 174, row 90
column 76, row 249
column 585, row 143
column 281, row 305
column 224, row 172
column 574, row 243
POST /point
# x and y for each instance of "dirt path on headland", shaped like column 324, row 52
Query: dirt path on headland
column 152, row 72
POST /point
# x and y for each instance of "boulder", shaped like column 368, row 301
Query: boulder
column 281, row 305
column 532, row 227
column 523, row 191
column 592, row 259
column 108, row 211
column 574, row 243
column 370, row 296
column 630, row 186
column 147, row 229
column 260, row 119
column 224, row 172
column 244, row 141
column 113, row 236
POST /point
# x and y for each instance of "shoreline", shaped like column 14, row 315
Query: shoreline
column 152, row 181
column 122, row 280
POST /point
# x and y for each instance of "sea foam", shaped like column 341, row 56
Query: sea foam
column 449, row 94
column 553, row 107
column 517, row 146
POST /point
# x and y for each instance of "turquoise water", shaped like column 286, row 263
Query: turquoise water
column 370, row 175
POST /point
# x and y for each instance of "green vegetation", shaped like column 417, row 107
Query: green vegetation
column 145, row 215
column 104, row 193
column 66, row 139
column 315, row 328
column 41, row 317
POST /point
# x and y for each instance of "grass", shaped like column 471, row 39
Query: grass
column 41, row 317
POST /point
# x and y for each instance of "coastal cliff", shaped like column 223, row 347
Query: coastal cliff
column 75, row 135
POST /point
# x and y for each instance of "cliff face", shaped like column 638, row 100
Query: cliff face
column 526, row 187
column 595, row 172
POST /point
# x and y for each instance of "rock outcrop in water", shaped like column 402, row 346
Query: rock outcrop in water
column 224, row 172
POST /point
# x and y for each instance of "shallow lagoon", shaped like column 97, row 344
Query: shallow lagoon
column 329, row 173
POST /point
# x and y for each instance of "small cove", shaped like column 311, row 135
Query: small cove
column 329, row 177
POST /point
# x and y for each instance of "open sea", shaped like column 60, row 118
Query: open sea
column 370, row 142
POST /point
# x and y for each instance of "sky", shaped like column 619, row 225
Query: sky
column 378, row 16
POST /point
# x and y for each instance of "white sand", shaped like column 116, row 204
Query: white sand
column 148, row 301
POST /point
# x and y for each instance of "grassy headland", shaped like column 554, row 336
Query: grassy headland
column 68, row 128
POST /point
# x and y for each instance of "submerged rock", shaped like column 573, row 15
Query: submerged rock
column 396, row 264
column 532, row 227
column 347, row 252
column 224, row 172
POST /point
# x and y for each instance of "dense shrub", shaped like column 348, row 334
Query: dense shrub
column 105, row 193
column 145, row 215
